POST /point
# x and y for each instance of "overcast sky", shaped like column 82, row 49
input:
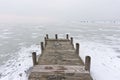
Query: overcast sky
column 58, row 10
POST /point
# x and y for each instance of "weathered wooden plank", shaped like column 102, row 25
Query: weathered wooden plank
column 57, row 71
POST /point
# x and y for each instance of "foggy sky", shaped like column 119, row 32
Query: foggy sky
column 58, row 10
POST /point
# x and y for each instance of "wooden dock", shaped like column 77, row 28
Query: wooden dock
column 59, row 60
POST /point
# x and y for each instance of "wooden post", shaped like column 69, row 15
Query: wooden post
column 56, row 36
column 42, row 47
column 71, row 40
column 45, row 41
column 34, row 58
column 47, row 36
column 87, row 63
column 67, row 36
column 77, row 48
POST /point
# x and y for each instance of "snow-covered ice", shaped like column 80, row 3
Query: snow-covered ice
column 102, row 43
column 105, row 63
column 18, row 67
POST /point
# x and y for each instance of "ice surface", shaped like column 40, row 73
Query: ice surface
column 105, row 65
column 4, row 37
column 102, row 43
column 18, row 68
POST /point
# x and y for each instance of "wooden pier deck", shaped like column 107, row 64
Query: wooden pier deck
column 59, row 60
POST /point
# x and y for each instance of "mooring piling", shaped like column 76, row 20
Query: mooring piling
column 56, row 36
column 87, row 63
column 71, row 40
column 45, row 41
column 42, row 47
column 77, row 48
column 67, row 36
column 47, row 36
column 34, row 57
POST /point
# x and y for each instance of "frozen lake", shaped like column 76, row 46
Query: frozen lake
column 18, row 41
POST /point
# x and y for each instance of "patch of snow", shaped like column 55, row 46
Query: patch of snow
column 105, row 63
column 18, row 67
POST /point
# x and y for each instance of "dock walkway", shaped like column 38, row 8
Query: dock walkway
column 59, row 60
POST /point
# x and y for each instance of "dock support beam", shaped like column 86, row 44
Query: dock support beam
column 42, row 47
column 71, row 40
column 77, row 48
column 67, row 36
column 56, row 36
column 34, row 58
column 87, row 63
